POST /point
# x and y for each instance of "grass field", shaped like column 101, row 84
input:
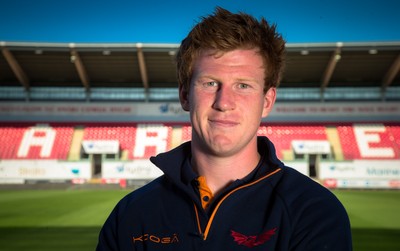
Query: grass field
column 71, row 219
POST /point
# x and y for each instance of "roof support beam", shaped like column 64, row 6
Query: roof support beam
column 16, row 68
column 335, row 57
column 76, row 59
column 391, row 73
column 142, row 67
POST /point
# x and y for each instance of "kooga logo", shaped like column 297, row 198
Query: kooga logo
column 156, row 239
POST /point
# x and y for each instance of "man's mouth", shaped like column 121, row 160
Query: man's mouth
column 223, row 122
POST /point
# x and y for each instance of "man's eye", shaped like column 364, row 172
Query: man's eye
column 243, row 86
column 211, row 84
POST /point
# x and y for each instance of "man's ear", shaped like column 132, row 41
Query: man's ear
column 269, row 101
column 184, row 97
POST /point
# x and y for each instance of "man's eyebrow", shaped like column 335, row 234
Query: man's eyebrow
column 247, row 79
column 207, row 76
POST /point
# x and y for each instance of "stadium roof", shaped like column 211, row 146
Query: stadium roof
column 147, row 66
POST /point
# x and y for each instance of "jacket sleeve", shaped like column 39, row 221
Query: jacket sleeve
column 108, row 233
column 320, row 224
column 114, row 235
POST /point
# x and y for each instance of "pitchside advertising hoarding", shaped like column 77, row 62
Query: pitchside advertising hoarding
column 19, row 171
column 138, row 169
column 379, row 174
column 365, row 174
column 361, row 174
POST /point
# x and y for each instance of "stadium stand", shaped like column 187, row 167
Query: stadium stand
column 38, row 142
column 357, row 141
column 283, row 136
column 55, row 141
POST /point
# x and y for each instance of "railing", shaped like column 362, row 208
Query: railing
column 13, row 93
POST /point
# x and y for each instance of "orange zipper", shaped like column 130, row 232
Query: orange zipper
column 207, row 230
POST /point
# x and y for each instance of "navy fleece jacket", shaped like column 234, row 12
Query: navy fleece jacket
column 273, row 208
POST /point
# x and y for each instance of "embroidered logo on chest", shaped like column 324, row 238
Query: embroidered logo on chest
column 156, row 239
column 252, row 240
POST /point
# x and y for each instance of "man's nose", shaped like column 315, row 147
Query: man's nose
column 224, row 99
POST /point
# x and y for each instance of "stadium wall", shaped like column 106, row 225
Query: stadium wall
column 172, row 112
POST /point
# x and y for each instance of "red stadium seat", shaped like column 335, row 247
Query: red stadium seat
column 26, row 142
column 374, row 141
column 282, row 136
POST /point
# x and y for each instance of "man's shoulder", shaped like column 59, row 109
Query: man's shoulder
column 313, row 211
column 293, row 179
column 298, row 190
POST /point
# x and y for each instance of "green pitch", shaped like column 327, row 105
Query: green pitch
column 375, row 219
column 71, row 219
column 49, row 220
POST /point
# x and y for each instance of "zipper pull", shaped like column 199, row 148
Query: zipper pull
column 201, row 235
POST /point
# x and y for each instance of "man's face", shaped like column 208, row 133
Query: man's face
column 226, row 101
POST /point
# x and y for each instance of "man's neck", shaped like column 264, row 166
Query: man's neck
column 222, row 171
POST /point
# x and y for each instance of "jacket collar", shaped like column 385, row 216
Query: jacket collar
column 176, row 163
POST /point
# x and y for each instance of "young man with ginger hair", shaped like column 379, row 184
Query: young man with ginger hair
column 226, row 189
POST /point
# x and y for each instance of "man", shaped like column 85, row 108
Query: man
column 226, row 189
